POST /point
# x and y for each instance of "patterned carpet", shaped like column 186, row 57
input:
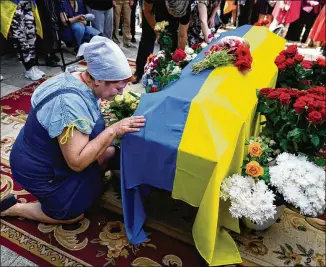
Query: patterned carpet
column 100, row 240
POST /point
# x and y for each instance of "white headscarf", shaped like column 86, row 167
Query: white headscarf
column 105, row 60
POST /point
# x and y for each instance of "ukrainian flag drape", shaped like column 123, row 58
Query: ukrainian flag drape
column 8, row 9
column 194, row 137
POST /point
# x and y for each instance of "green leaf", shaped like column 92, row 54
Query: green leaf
column 284, row 144
column 295, row 135
column 315, row 140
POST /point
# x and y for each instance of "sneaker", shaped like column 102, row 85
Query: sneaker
column 1, row 78
column 129, row 45
column 32, row 74
column 39, row 71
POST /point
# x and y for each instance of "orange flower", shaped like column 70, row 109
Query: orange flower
column 149, row 58
column 254, row 169
column 255, row 149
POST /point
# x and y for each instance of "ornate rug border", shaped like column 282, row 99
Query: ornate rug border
column 39, row 248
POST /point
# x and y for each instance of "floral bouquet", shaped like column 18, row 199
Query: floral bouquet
column 122, row 107
column 296, row 72
column 198, row 47
column 159, row 72
column 301, row 183
column 249, row 198
column 261, row 151
column 294, row 118
column 164, row 37
column 229, row 50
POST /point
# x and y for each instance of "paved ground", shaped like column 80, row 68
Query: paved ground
column 13, row 73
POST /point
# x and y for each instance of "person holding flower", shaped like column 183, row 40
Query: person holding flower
column 177, row 13
column 64, row 148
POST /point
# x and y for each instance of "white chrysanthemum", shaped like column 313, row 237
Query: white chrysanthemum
column 176, row 70
column 301, row 183
column 203, row 45
column 248, row 198
column 194, row 55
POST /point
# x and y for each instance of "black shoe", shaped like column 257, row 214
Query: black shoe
column 120, row 33
column 7, row 202
column 50, row 62
column 54, row 57
column 133, row 40
column 136, row 80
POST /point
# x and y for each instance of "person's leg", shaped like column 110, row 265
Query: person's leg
column 99, row 20
column 108, row 23
column 19, row 38
column 126, row 23
column 309, row 22
column 90, row 32
column 78, row 30
column 116, row 22
column 133, row 21
column 33, row 211
column 146, row 47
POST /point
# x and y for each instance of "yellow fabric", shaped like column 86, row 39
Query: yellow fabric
column 8, row 9
column 70, row 129
column 221, row 117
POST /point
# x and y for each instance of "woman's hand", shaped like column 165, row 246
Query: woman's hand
column 114, row 3
column 128, row 125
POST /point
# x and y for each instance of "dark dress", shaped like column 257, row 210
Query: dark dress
column 38, row 165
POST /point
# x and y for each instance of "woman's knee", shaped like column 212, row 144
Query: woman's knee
column 80, row 217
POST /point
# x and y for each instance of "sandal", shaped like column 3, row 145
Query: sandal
column 7, row 202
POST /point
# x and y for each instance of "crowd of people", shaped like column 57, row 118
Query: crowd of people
column 190, row 21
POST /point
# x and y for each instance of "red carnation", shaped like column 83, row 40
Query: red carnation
column 299, row 106
column 301, row 93
column 289, row 62
column 320, row 104
column 315, row 117
column 258, row 24
column 243, row 51
column 285, row 99
column 153, row 89
column 179, row 55
column 265, row 91
column 196, row 46
column 265, row 22
column 293, row 93
column 243, row 64
column 321, row 89
column 298, row 58
column 321, row 62
column 274, row 94
column 280, row 59
column 306, row 64
column 323, row 113
column 292, row 50
column 283, row 53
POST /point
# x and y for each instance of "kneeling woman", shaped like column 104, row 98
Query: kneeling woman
column 64, row 148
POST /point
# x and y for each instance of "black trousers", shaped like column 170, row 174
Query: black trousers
column 147, row 41
column 305, row 20
column 133, row 19
column 245, row 13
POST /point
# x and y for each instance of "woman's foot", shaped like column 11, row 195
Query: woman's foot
column 6, row 203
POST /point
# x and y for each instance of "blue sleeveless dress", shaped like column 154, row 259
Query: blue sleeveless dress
column 38, row 165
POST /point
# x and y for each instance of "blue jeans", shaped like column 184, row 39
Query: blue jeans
column 103, row 21
column 81, row 33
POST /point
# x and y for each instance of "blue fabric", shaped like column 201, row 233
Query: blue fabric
column 38, row 165
column 82, row 33
column 60, row 111
column 149, row 157
column 17, row 2
column 72, row 13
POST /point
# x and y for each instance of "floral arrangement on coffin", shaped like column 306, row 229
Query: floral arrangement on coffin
column 159, row 71
column 296, row 72
column 295, row 119
column 301, row 183
column 229, row 50
column 265, row 22
column 165, row 67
